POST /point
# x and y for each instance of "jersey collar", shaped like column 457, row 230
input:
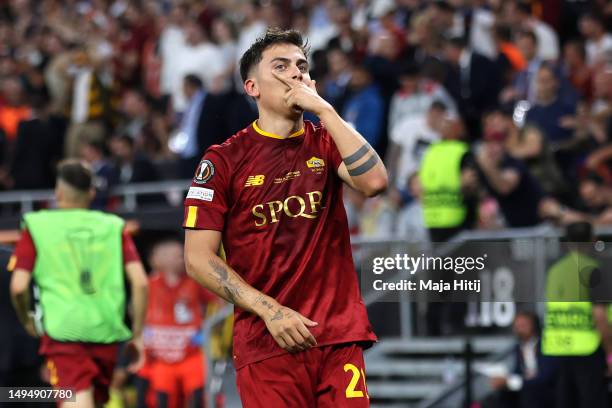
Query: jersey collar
column 274, row 136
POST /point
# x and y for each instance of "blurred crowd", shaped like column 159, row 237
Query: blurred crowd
column 141, row 88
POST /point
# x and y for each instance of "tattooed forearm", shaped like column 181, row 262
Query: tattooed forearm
column 231, row 293
column 262, row 300
column 222, row 276
column 365, row 167
column 361, row 152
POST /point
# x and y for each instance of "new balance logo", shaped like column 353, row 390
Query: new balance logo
column 255, row 180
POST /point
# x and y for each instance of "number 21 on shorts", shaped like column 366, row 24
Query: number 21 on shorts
column 356, row 374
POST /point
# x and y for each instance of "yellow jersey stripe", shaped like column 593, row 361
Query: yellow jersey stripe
column 272, row 135
column 192, row 216
column 11, row 263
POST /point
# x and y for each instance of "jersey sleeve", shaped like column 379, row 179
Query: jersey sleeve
column 130, row 253
column 24, row 256
column 333, row 153
column 206, row 204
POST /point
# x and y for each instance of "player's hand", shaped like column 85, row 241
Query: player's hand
column 135, row 353
column 303, row 95
column 290, row 329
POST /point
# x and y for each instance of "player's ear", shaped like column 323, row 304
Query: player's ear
column 251, row 87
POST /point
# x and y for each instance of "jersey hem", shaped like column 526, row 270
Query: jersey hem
column 359, row 339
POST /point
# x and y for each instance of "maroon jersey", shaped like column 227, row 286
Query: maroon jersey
column 278, row 203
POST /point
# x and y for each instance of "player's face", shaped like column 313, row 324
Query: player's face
column 285, row 61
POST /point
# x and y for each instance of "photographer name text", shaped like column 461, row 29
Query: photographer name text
column 429, row 285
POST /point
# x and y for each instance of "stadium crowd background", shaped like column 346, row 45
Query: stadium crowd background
column 140, row 89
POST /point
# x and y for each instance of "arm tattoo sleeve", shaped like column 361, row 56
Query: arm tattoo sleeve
column 231, row 291
column 365, row 167
column 263, row 301
column 362, row 151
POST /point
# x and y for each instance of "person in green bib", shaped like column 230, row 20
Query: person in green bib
column 576, row 325
column 448, row 181
column 449, row 189
column 78, row 259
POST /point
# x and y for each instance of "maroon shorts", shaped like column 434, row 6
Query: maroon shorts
column 322, row 377
column 80, row 366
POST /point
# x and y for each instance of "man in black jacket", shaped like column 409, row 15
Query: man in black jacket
column 531, row 384
column 473, row 80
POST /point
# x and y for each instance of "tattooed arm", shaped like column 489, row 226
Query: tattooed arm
column 361, row 168
column 288, row 327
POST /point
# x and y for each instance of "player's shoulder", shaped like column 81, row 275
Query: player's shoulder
column 232, row 149
column 318, row 131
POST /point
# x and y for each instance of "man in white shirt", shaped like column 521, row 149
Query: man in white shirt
column 598, row 41
column 415, row 96
column 194, row 55
column 481, row 31
column 409, row 140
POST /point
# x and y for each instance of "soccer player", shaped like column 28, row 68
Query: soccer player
column 273, row 194
column 173, row 323
column 78, row 259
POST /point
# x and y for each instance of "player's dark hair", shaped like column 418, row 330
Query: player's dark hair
column 76, row 174
column 273, row 36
